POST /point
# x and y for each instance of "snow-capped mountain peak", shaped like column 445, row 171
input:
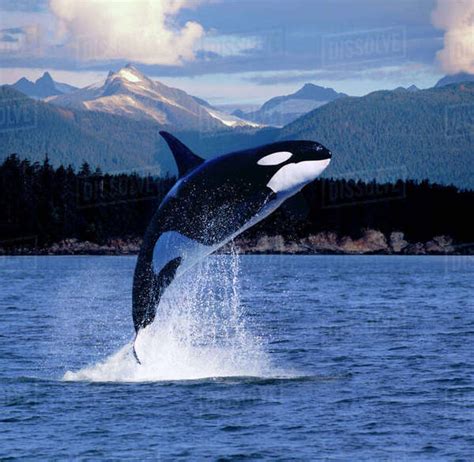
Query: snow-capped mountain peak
column 131, row 74
column 130, row 93
column 128, row 73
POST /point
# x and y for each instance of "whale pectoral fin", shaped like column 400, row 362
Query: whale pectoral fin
column 166, row 275
column 160, row 282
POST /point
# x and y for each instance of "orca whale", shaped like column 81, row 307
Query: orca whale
column 212, row 202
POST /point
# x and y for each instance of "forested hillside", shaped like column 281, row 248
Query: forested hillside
column 384, row 136
column 33, row 128
column 388, row 135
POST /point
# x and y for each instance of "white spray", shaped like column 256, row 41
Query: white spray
column 200, row 331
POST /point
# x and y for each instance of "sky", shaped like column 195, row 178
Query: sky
column 240, row 51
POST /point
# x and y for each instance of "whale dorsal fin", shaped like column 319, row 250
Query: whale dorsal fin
column 185, row 159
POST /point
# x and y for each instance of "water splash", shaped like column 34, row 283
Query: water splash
column 200, row 331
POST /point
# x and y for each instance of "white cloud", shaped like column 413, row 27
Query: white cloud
column 456, row 17
column 137, row 30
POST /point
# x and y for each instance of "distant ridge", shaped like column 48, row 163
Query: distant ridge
column 43, row 87
column 456, row 78
column 281, row 110
column 411, row 89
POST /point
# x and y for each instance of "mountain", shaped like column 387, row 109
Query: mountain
column 385, row 135
column 43, row 87
column 32, row 128
column 411, row 88
column 130, row 93
column 388, row 135
column 282, row 110
column 456, row 78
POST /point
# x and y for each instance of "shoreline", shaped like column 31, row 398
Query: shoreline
column 326, row 243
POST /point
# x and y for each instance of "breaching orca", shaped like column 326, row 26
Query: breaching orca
column 212, row 202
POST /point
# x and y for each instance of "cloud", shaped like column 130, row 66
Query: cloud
column 8, row 38
column 143, row 31
column 23, row 5
column 456, row 17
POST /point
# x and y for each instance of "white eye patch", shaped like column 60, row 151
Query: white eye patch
column 275, row 159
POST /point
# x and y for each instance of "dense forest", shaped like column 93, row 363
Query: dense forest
column 41, row 204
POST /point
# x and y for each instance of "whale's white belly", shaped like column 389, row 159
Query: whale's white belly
column 172, row 244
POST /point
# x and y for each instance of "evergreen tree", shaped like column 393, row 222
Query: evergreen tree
column 43, row 204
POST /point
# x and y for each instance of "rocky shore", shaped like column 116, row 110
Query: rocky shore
column 372, row 242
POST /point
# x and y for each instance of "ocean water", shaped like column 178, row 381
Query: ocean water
column 250, row 358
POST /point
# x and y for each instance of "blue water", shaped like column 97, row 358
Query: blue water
column 266, row 358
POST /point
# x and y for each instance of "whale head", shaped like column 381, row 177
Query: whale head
column 291, row 165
